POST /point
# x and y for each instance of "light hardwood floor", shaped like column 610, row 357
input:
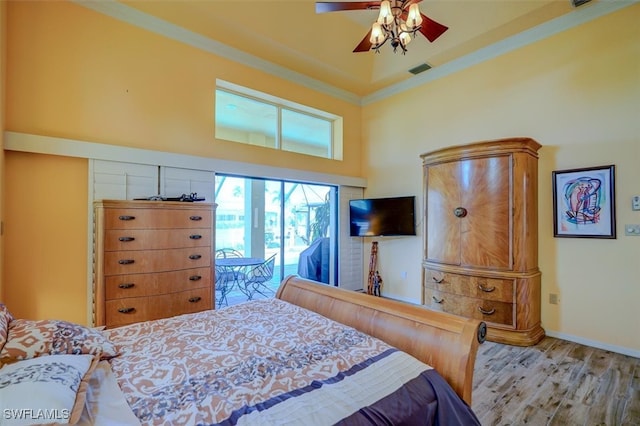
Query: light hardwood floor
column 555, row 382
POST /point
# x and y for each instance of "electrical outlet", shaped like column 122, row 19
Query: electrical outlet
column 635, row 202
column 553, row 298
column 632, row 230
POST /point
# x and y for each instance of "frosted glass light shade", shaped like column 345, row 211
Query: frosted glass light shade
column 386, row 16
column 377, row 35
column 414, row 18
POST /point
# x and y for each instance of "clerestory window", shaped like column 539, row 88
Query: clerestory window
column 251, row 117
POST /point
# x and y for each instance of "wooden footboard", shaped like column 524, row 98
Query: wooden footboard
column 446, row 342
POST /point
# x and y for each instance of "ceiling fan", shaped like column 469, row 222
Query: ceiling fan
column 399, row 21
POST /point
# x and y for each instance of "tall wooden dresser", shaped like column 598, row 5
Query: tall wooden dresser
column 481, row 236
column 152, row 259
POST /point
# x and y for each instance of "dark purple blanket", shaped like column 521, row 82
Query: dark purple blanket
column 426, row 400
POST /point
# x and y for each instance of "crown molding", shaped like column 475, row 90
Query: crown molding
column 140, row 19
column 540, row 32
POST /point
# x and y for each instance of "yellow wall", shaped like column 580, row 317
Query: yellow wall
column 46, row 236
column 3, row 26
column 576, row 93
column 74, row 73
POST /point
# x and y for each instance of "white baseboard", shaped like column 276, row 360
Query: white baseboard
column 595, row 344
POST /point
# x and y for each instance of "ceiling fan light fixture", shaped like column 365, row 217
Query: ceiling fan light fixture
column 398, row 22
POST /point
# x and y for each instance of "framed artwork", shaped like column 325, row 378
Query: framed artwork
column 584, row 203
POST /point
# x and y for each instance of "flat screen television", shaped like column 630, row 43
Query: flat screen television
column 373, row 217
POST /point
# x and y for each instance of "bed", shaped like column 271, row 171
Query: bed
column 314, row 354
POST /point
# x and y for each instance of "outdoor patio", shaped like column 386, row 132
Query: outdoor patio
column 236, row 296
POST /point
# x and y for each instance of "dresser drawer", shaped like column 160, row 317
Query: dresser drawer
column 472, row 286
column 130, row 218
column 140, row 239
column 141, row 261
column 490, row 311
column 136, row 285
column 135, row 309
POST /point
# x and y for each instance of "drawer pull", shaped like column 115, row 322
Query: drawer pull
column 126, row 217
column 126, row 239
column 126, row 261
column 437, row 280
column 195, row 217
column 435, row 299
column 195, row 256
column 195, row 299
column 486, row 289
column 484, row 312
column 126, row 285
column 195, row 278
column 195, row 237
column 126, row 310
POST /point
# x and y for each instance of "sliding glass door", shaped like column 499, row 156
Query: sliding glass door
column 292, row 221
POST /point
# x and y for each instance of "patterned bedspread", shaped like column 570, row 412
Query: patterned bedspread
column 269, row 362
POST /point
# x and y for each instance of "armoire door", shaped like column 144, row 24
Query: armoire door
column 486, row 227
column 469, row 213
column 443, row 228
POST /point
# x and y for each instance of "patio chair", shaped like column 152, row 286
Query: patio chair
column 227, row 252
column 258, row 277
column 229, row 275
column 224, row 285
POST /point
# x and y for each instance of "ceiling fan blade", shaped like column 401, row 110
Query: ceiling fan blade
column 365, row 44
column 431, row 29
column 327, row 6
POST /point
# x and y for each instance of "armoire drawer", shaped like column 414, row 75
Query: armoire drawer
column 131, row 218
column 137, row 285
column 141, row 239
column 135, row 309
column 141, row 261
column 485, row 310
column 472, row 286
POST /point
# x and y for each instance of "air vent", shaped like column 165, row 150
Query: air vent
column 421, row 68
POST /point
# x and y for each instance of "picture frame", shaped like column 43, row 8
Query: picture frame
column 584, row 202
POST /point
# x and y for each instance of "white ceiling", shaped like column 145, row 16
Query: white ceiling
column 290, row 35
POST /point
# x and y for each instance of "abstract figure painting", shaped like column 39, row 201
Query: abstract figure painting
column 584, row 203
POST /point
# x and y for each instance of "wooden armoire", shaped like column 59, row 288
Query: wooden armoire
column 481, row 236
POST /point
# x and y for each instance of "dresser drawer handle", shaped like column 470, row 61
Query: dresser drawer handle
column 126, row 261
column 126, row 217
column 435, row 299
column 195, row 256
column 195, row 217
column 126, row 310
column 437, row 280
column 127, row 285
column 195, row 299
column 195, row 278
column 486, row 289
column 126, row 239
column 490, row 312
column 195, row 237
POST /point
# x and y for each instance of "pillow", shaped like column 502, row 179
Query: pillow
column 45, row 390
column 5, row 319
column 30, row 339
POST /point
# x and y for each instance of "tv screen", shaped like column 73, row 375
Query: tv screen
column 374, row 217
